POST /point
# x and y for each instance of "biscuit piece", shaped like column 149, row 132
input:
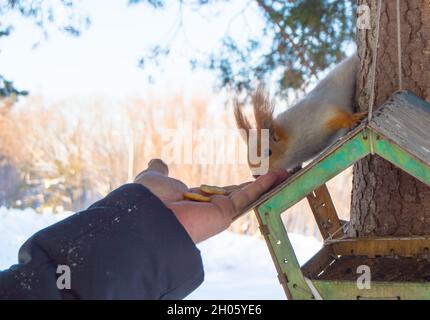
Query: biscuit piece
column 212, row 189
column 196, row 197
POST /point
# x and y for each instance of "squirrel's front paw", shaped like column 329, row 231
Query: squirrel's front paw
column 358, row 117
column 342, row 119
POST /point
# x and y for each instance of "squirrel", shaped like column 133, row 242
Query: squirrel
column 304, row 130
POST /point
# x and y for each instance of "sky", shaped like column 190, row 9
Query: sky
column 103, row 61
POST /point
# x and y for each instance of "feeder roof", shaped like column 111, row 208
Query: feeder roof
column 405, row 120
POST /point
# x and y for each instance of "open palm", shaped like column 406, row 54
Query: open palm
column 204, row 219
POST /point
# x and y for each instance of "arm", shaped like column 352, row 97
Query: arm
column 125, row 246
column 136, row 243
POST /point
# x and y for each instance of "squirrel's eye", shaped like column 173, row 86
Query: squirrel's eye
column 267, row 152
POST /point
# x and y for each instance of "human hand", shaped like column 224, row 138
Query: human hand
column 156, row 178
column 203, row 220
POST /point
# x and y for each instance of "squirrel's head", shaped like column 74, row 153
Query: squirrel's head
column 269, row 145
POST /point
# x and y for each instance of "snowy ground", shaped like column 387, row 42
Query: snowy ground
column 16, row 226
column 236, row 266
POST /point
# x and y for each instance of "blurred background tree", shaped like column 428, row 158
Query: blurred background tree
column 59, row 13
column 48, row 166
column 298, row 40
column 62, row 15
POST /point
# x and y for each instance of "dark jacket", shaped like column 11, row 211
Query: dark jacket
column 128, row 245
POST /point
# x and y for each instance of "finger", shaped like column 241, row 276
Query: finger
column 235, row 187
column 154, row 166
column 228, row 189
column 159, row 166
column 282, row 175
column 225, row 205
column 254, row 190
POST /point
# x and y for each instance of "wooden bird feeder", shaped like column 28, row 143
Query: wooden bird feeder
column 398, row 132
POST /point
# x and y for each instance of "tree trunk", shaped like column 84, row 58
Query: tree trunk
column 386, row 200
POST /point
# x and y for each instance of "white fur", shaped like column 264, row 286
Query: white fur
column 304, row 122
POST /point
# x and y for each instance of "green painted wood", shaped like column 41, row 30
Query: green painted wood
column 334, row 163
column 348, row 290
column 284, row 257
column 270, row 211
column 402, row 159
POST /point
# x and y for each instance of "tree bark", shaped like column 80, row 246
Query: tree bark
column 386, row 200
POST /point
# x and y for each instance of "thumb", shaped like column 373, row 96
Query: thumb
column 154, row 166
column 157, row 165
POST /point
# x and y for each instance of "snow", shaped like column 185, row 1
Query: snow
column 16, row 226
column 240, row 266
column 236, row 266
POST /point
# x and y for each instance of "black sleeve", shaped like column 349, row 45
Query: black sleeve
column 125, row 246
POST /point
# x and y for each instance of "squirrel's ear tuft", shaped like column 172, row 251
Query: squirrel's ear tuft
column 279, row 134
column 263, row 108
column 241, row 121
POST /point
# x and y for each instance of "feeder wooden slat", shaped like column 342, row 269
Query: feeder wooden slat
column 325, row 213
column 372, row 247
